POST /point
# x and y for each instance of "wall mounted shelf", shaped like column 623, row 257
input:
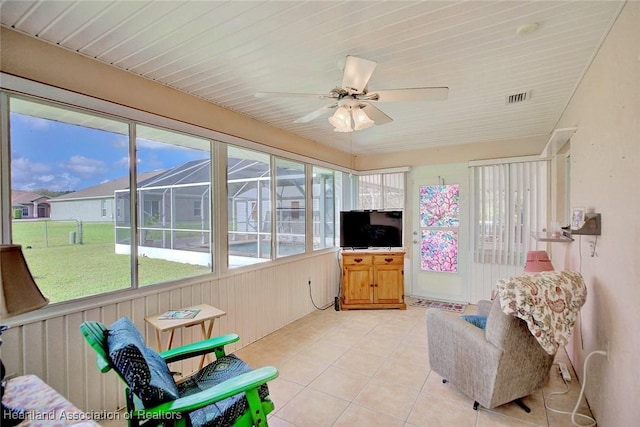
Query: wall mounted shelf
column 592, row 225
column 548, row 237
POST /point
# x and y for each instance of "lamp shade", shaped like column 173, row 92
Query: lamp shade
column 361, row 120
column 20, row 293
column 341, row 120
column 537, row 261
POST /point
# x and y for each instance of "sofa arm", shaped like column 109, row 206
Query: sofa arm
column 39, row 404
column 460, row 353
column 484, row 307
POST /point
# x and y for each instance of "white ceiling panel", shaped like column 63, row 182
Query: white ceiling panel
column 226, row 51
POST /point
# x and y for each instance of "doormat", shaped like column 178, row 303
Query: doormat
column 440, row 305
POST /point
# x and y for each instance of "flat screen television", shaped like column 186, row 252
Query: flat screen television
column 370, row 229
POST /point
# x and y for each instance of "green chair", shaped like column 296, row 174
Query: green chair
column 226, row 392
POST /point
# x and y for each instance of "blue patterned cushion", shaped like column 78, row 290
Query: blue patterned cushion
column 479, row 321
column 143, row 369
column 225, row 412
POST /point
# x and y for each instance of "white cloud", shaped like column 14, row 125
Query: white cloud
column 66, row 182
column 46, row 178
column 25, row 173
column 29, row 176
column 85, row 166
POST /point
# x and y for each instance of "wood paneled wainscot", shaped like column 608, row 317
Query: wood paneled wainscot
column 372, row 279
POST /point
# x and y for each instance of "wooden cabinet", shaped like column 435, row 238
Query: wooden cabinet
column 372, row 279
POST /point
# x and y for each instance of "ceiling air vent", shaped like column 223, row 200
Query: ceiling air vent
column 516, row 98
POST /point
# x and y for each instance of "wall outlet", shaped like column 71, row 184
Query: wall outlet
column 564, row 371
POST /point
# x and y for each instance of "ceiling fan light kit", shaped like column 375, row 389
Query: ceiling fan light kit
column 353, row 98
column 362, row 121
column 341, row 120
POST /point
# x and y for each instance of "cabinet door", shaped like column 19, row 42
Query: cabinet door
column 357, row 286
column 389, row 284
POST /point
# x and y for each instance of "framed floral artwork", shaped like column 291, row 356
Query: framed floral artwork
column 439, row 251
column 439, row 221
column 577, row 218
column 439, row 205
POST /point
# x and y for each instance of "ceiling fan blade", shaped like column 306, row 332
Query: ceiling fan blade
column 357, row 72
column 411, row 94
column 376, row 114
column 289, row 95
column 315, row 114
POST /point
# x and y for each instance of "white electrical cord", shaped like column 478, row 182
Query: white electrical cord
column 574, row 413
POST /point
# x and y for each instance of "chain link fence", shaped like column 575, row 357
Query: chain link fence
column 47, row 233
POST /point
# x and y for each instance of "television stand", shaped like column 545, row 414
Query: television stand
column 372, row 279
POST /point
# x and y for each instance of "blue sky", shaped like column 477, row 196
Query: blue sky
column 47, row 154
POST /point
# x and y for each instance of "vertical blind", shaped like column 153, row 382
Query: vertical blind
column 510, row 200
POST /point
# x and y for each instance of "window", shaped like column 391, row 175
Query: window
column 173, row 242
column 381, row 191
column 290, row 208
column 103, row 208
column 370, row 192
column 64, row 150
column 510, row 201
column 197, row 208
column 25, row 212
column 249, row 206
column 324, row 208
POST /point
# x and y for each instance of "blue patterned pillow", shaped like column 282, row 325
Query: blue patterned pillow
column 475, row 320
column 142, row 368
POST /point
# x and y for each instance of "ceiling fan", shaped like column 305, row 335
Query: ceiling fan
column 354, row 101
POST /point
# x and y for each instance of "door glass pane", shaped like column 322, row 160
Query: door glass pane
column 439, row 221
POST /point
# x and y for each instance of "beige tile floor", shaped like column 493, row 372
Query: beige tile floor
column 371, row 368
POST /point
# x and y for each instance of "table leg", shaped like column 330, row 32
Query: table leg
column 206, row 334
column 158, row 341
column 170, row 341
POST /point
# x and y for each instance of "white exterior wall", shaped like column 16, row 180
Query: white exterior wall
column 86, row 210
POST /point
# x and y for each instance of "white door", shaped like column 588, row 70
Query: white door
column 439, row 242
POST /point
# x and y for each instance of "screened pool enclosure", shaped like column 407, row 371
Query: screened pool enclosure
column 175, row 218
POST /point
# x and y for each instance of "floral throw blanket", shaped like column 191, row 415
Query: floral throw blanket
column 549, row 302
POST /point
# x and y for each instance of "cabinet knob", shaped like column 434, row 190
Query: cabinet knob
column 357, row 259
column 388, row 259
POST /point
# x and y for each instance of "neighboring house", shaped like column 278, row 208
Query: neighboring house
column 32, row 205
column 92, row 204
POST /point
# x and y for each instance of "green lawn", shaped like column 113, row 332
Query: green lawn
column 66, row 271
